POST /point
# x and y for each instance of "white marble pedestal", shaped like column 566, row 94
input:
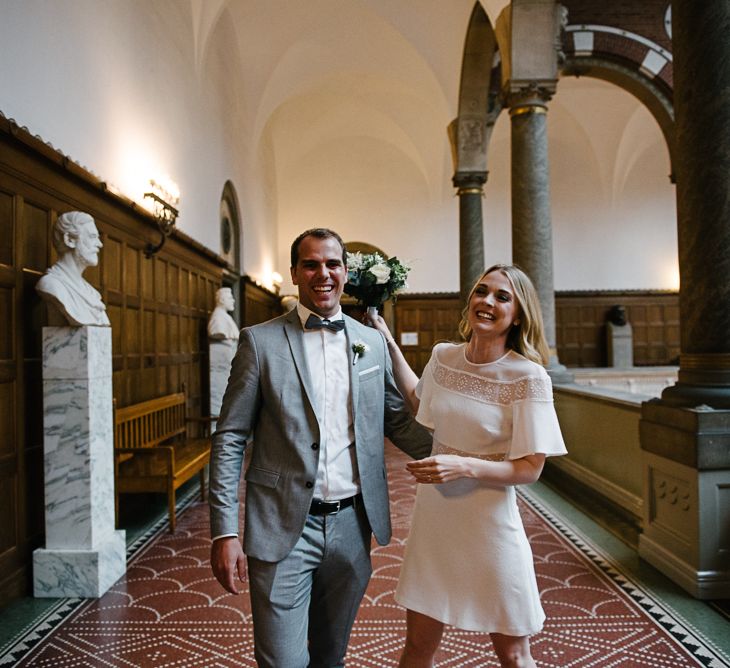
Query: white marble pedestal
column 620, row 345
column 84, row 554
column 220, row 356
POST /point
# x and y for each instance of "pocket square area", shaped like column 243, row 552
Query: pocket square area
column 370, row 369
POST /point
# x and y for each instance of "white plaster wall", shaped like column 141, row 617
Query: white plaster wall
column 113, row 85
column 356, row 113
column 614, row 207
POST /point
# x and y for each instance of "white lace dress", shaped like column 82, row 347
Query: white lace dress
column 467, row 561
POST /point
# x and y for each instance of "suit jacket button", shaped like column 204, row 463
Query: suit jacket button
column 315, row 446
column 309, row 485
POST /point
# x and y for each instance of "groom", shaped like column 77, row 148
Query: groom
column 313, row 394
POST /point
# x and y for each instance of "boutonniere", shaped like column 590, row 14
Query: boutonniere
column 359, row 348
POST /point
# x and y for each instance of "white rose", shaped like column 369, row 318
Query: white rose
column 381, row 272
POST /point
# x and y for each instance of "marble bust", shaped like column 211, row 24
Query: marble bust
column 288, row 302
column 71, row 299
column 221, row 325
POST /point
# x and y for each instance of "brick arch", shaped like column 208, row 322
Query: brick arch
column 632, row 62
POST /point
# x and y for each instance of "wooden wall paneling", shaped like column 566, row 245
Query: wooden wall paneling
column 671, row 330
column 433, row 317
column 259, row 304
column 160, row 274
column 130, row 270
column 11, row 454
column 7, row 229
column 173, row 284
column 594, row 351
column 114, row 311
column 185, row 287
column 581, row 326
column 18, row 518
column 161, row 356
column 36, row 236
column 148, row 279
column 568, row 334
column 113, row 252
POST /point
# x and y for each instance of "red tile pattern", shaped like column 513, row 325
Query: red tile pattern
column 169, row 611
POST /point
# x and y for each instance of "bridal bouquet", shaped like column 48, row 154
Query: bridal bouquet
column 372, row 279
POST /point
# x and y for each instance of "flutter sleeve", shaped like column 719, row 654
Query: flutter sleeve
column 425, row 392
column 535, row 427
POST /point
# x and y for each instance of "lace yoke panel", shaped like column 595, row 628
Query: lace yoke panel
column 492, row 391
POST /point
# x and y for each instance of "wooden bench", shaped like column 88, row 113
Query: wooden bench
column 152, row 450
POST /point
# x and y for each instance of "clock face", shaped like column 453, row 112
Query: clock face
column 668, row 21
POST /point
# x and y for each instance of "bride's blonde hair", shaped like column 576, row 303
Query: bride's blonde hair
column 528, row 337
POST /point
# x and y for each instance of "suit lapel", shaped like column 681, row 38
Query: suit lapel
column 350, row 328
column 294, row 334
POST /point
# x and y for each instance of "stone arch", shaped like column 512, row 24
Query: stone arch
column 631, row 62
column 479, row 101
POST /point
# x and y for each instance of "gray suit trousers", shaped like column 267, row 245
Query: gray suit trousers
column 304, row 606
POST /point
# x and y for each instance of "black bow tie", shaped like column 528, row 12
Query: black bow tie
column 313, row 322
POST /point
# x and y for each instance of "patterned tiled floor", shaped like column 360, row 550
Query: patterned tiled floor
column 169, row 611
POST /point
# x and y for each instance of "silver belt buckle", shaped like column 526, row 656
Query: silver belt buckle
column 336, row 510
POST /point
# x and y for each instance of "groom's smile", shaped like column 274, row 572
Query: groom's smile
column 320, row 275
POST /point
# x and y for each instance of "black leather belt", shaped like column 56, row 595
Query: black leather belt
column 320, row 507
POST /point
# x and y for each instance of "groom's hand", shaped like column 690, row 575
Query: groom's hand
column 228, row 561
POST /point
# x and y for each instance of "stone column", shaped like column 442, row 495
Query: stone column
column 471, row 239
column 685, row 436
column 532, row 236
column 84, row 554
column 220, row 355
column 702, row 120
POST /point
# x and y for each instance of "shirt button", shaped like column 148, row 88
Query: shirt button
column 309, row 484
column 315, row 446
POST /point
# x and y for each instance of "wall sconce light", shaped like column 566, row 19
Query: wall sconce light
column 276, row 279
column 163, row 207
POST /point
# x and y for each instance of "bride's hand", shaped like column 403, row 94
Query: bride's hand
column 376, row 322
column 438, row 469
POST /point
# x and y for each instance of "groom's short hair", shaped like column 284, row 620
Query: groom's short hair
column 318, row 233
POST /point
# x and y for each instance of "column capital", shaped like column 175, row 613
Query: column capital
column 529, row 97
column 469, row 183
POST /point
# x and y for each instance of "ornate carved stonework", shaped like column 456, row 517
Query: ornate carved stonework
column 670, row 494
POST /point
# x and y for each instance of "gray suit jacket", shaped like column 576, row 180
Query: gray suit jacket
column 268, row 404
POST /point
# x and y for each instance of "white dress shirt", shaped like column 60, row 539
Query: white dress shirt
column 329, row 370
